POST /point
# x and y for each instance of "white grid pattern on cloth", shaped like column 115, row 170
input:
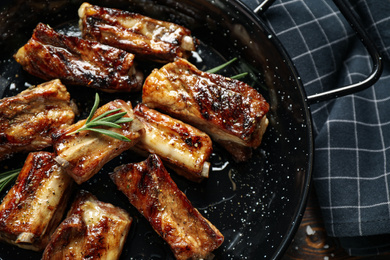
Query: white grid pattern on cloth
column 353, row 132
column 374, row 25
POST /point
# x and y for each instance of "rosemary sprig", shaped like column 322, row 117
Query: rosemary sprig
column 239, row 76
column 106, row 119
column 8, row 177
column 218, row 68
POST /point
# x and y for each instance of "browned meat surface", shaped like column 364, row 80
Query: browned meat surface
column 92, row 230
column 230, row 111
column 83, row 154
column 183, row 147
column 152, row 191
column 50, row 55
column 147, row 38
column 28, row 119
column 35, row 205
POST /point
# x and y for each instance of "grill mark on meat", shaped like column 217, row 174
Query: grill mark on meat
column 152, row 191
column 230, row 111
column 51, row 55
column 34, row 206
column 91, row 230
column 83, row 154
column 181, row 146
column 28, row 119
column 147, row 38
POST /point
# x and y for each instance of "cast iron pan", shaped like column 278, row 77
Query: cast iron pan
column 256, row 205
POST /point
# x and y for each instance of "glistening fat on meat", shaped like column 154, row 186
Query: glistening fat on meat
column 92, row 230
column 182, row 147
column 147, row 38
column 150, row 189
column 84, row 153
column 28, row 119
column 51, row 55
column 35, row 205
column 230, row 111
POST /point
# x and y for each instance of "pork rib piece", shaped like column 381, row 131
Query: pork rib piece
column 83, row 154
column 50, row 55
column 92, row 230
column 35, row 205
column 28, row 119
column 230, row 111
column 152, row 191
column 181, row 146
column 147, row 38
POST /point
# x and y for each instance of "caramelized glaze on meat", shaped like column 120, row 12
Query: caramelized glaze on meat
column 50, row 55
column 183, row 147
column 28, row 119
column 230, row 111
column 152, row 191
column 35, row 205
column 92, row 230
column 83, row 154
column 147, row 38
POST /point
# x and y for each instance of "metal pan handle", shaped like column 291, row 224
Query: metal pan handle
column 367, row 42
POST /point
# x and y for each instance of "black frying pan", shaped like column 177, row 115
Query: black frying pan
column 257, row 205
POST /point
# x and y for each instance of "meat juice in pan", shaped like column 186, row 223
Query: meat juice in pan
column 228, row 198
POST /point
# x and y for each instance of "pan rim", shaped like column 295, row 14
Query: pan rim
column 239, row 5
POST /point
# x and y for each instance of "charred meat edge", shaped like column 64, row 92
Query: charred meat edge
column 182, row 147
column 147, row 38
column 151, row 190
column 51, row 55
column 28, row 119
column 92, row 230
column 35, row 205
column 83, row 154
column 230, row 111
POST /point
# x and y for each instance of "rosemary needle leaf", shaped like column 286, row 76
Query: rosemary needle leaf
column 218, row 68
column 110, row 134
column 103, row 123
column 109, row 118
column 113, row 118
column 94, row 108
column 123, row 120
column 239, row 76
column 8, row 177
column 105, row 114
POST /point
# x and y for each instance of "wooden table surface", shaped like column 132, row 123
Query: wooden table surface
column 315, row 244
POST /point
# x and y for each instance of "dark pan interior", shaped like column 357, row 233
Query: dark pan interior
column 257, row 205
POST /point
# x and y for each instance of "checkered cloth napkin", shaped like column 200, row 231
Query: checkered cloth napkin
column 352, row 133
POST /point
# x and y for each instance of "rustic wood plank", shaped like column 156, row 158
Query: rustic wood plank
column 311, row 240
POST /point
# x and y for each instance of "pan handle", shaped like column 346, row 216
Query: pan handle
column 367, row 42
column 263, row 6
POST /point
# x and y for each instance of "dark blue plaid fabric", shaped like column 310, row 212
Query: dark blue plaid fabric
column 352, row 133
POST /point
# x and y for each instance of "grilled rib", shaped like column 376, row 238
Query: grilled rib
column 152, row 191
column 230, row 111
column 83, row 154
column 50, row 55
column 35, row 205
column 28, row 119
column 183, row 147
column 147, row 38
column 92, row 230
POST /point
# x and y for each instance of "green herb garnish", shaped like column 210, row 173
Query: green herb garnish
column 222, row 66
column 8, row 177
column 106, row 119
column 218, row 68
column 239, row 76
